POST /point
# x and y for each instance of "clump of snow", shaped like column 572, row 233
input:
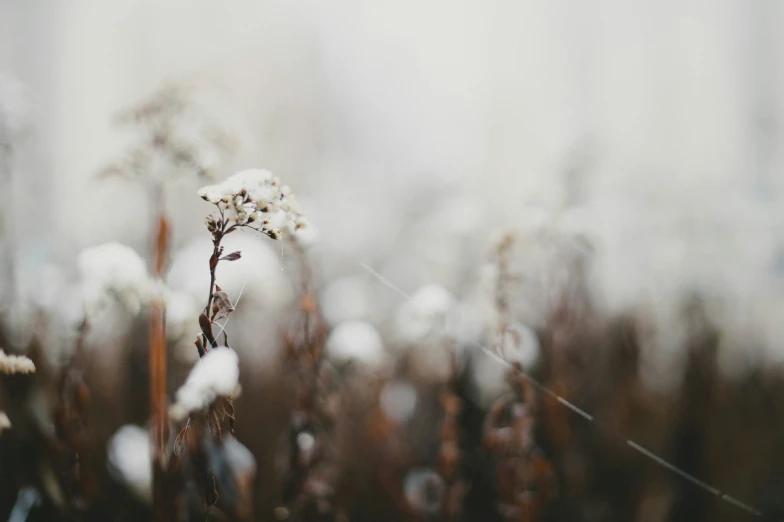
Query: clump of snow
column 398, row 401
column 346, row 298
column 10, row 364
column 424, row 315
column 254, row 198
column 113, row 270
column 357, row 341
column 214, row 375
column 130, row 460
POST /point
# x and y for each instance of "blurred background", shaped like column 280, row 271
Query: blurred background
column 632, row 151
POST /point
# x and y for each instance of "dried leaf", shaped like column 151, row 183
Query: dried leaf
column 206, row 329
column 221, row 305
column 231, row 257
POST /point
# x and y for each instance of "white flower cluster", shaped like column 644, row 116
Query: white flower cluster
column 356, row 341
column 129, row 460
column 214, row 375
column 253, row 198
column 10, row 364
column 114, row 270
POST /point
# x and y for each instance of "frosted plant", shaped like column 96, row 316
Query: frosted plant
column 114, row 271
column 250, row 199
column 214, row 375
column 11, row 364
column 254, row 199
column 175, row 137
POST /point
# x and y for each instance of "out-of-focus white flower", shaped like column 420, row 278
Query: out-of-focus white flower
column 398, row 401
column 487, row 374
column 253, row 198
column 424, row 490
column 424, row 315
column 10, row 364
column 182, row 314
column 346, row 298
column 520, row 345
column 214, row 375
column 238, row 457
column 357, row 341
column 130, row 460
column 114, row 270
column 5, row 422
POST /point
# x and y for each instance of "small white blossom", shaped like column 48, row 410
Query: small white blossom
column 5, row 422
column 398, row 401
column 113, row 270
column 356, row 341
column 520, row 345
column 10, row 364
column 129, row 456
column 253, row 198
column 214, row 375
column 424, row 315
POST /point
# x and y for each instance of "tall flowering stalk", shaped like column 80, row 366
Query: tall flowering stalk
column 525, row 481
column 253, row 200
column 175, row 139
column 310, row 477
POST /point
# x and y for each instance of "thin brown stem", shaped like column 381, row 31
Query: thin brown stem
column 157, row 368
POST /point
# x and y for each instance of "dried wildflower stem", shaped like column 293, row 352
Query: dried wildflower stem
column 501, row 297
column 309, row 483
column 158, row 402
column 449, row 454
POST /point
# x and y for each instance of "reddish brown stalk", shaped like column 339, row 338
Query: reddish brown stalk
column 309, row 485
column 158, row 403
column 449, row 455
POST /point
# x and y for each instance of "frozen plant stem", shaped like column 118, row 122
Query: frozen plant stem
column 158, row 361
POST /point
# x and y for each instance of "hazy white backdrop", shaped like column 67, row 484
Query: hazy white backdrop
column 653, row 126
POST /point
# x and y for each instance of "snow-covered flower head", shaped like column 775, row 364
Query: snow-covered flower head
column 214, row 375
column 253, row 198
column 10, row 364
column 113, row 270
